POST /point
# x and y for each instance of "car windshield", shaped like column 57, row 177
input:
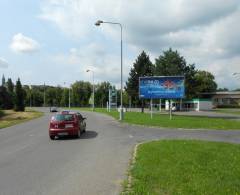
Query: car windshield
column 63, row 117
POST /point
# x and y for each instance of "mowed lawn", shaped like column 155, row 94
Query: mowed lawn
column 185, row 167
column 162, row 120
column 228, row 111
column 11, row 117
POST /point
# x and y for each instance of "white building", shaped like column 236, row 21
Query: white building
column 190, row 105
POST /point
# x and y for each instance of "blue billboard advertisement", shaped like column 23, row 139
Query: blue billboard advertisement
column 168, row 87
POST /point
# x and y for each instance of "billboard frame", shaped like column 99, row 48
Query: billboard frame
column 177, row 76
column 170, row 98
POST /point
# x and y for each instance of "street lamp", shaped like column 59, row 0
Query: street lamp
column 98, row 23
column 236, row 73
column 93, row 87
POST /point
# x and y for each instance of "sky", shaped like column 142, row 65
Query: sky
column 56, row 41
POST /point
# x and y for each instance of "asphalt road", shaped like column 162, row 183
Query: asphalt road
column 96, row 163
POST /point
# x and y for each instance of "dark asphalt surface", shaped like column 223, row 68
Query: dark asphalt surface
column 96, row 163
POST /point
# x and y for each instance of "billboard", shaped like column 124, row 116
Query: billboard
column 169, row 87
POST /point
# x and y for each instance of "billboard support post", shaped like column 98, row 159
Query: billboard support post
column 151, row 109
column 170, row 109
column 161, row 87
column 160, row 105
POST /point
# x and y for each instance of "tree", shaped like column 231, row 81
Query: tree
column 142, row 67
column 172, row 64
column 64, row 98
column 204, row 82
column 101, row 93
column 19, row 97
column 51, row 96
column 222, row 89
column 3, row 81
column 81, row 93
column 4, row 98
column 10, row 90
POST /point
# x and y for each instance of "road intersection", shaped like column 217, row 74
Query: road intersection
column 96, row 163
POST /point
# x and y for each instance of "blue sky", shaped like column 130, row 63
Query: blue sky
column 55, row 41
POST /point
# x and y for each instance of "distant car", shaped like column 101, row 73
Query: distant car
column 67, row 123
column 53, row 109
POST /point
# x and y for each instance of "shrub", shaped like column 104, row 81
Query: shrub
column 228, row 106
column 1, row 113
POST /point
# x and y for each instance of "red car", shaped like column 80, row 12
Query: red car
column 67, row 123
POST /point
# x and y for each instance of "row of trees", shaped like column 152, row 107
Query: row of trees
column 80, row 93
column 12, row 97
column 170, row 63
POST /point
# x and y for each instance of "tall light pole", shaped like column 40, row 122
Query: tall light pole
column 93, row 105
column 98, row 23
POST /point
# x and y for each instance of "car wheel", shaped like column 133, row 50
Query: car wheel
column 51, row 137
column 84, row 130
column 79, row 133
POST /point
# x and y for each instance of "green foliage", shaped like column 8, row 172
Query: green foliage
column 10, row 91
column 141, row 67
column 7, row 94
column 101, row 94
column 172, row 64
column 3, row 81
column 51, row 96
column 228, row 106
column 1, row 113
column 64, row 97
column 185, row 167
column 4, row 97
column 19, row 97
column 222, row 89
column 81, row 93
column 204, row 82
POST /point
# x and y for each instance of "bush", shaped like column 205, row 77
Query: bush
column 228, row 106
column 1, row 113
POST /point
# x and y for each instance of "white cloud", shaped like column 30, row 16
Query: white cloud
column 3, row 63
column 24, row 44
column 106, row 66
column 205, row 32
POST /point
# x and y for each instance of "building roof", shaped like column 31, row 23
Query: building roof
column 222, row 93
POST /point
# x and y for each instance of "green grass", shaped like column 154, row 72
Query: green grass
column 11, row 117
column 185, row 167
column 162, row 120
column 228, row 111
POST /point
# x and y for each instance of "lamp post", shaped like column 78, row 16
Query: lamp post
column 93, row 105
column 236, row 73
column 98, row 23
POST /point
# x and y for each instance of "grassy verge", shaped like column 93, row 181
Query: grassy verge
column 10, row 117
column 228, row 111
column 162, row 120
column 185, row 167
